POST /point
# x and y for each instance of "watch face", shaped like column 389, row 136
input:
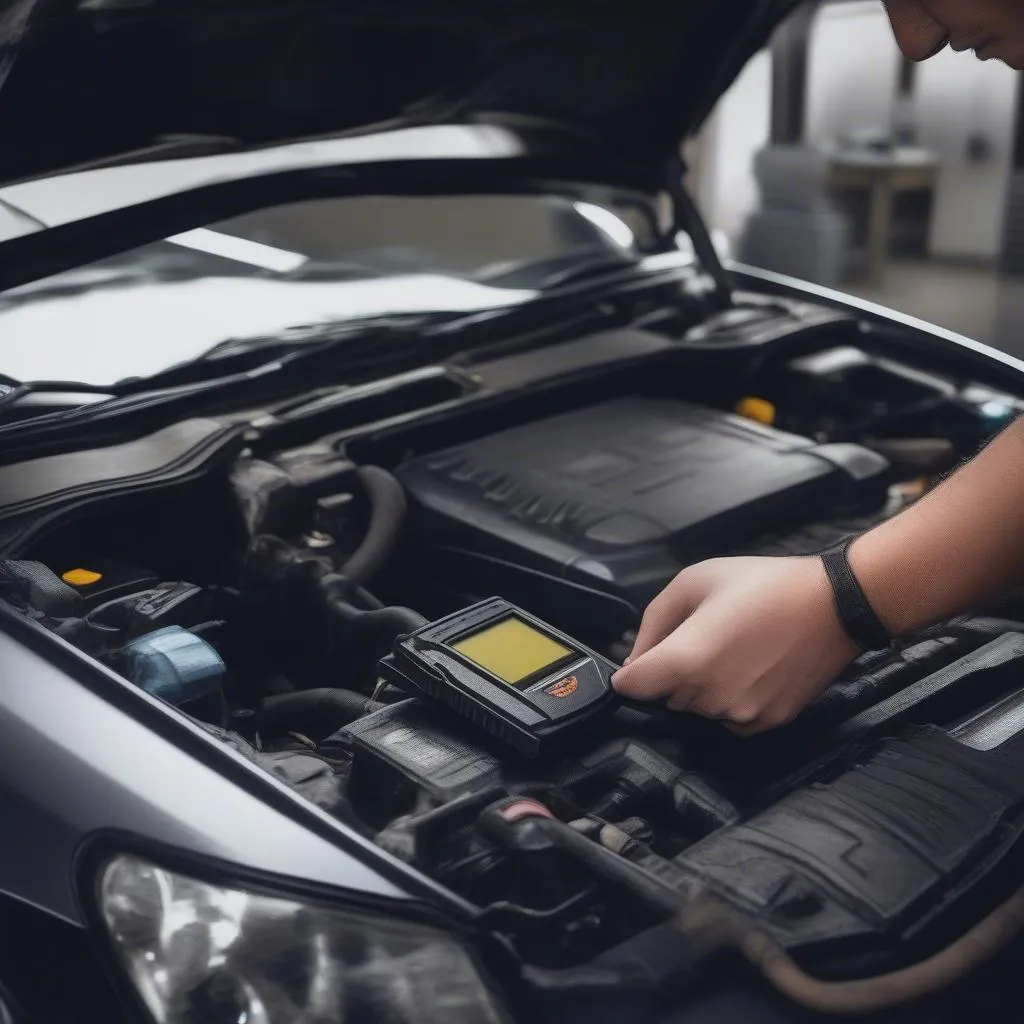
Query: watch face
column 512, row 650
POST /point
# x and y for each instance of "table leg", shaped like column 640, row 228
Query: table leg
column 879, row 227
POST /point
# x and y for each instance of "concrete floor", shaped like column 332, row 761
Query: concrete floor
column 976, row 302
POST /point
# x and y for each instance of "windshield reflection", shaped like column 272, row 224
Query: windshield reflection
column 300, row 264
column 105, row 334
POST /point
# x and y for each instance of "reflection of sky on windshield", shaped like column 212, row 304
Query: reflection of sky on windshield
column 110, row 333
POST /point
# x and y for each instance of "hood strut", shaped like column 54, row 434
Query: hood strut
column 686, row 217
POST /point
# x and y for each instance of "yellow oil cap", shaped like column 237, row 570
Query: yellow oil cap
column 758, row 409
column 81, row 577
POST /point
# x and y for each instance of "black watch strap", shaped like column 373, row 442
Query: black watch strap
column 856, row 615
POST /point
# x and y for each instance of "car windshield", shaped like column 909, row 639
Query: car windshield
column 301, row 264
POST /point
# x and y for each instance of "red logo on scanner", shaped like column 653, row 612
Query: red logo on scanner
column 564, row 687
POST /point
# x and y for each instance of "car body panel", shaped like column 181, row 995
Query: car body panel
column 932, row 338
column 72, row 768
column 87, row 81
column 66, row 221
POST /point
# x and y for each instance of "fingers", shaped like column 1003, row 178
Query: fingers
column 917, row 34
column 664, row 614
column 667, row 669
column 679, row 672
column 754, row 716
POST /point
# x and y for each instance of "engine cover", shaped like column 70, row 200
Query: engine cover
column 618, row 496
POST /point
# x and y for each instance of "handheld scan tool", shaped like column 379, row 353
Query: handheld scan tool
column 504, row 671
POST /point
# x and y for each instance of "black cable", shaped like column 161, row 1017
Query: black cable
column 314, row 713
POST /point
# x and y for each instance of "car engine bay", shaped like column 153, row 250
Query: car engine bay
column 252, row 570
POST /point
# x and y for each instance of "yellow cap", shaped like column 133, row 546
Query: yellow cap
column 81, row 577
column 758, row 409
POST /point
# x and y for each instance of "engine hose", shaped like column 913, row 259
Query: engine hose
column 314, row 713
column 389, row 622
column 520, row 823
column 711, row 925
column 371, row 634
column 366, row 599
column 387, row 513
column 343, row 589
column 715, row 926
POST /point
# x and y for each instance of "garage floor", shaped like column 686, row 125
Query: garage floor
column 973, row 301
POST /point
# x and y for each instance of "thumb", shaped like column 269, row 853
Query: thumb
column 666, row 612
column 671, row 669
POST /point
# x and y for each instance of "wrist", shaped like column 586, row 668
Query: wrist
column 892, row 576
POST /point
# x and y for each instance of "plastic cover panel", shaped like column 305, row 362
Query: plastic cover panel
column 994, row 726
column 620, row 494
column 863, row 852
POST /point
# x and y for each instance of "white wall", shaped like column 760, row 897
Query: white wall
column 958, row 95
column 736, row 131
column 854, row 64
column 852, row 71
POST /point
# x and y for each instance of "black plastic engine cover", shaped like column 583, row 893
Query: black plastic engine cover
column 618, row 496
column 877, row 850
column 424, row 745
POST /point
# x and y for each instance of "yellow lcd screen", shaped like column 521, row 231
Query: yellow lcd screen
column 512, row 650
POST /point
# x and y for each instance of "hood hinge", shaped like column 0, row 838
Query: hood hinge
column 686, row 217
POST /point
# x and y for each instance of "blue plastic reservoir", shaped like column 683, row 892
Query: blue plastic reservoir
column 174, row 665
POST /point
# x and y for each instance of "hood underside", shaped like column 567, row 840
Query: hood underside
column 85, row 80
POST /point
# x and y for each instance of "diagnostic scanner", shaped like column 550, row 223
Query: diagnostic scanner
column 506, row 672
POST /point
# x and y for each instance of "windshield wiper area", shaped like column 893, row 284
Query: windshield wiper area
column 556, row 271
column 240, row 371
column 339, row 352
column 243, row 357
column 13, row 392
column 347, row 355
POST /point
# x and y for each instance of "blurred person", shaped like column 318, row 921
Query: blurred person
column 752, row 641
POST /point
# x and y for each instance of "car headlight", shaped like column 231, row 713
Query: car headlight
column 200, row 952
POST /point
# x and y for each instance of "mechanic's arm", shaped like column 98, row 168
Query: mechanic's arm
column 753, row 640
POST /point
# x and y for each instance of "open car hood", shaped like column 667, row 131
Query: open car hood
column 86, row 80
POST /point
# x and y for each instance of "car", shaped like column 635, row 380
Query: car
column 366, row 371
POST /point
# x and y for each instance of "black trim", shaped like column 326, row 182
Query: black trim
column 102, row 846
column 789, row 53
column 1018, row 126
column 857, row 616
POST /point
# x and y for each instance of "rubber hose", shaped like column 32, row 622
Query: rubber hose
column 389, row 622
column 387, row 513
column 314, row 713
column 712, row 925
column 371, row 635
column 366, row 599
column 519, row 817
column 341, row 588
column 716, row 926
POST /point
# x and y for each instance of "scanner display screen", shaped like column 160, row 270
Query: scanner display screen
column 512, row 650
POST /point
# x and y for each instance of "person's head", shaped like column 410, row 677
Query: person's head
column 994, row 29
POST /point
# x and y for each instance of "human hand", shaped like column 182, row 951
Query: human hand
column 750, row 641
